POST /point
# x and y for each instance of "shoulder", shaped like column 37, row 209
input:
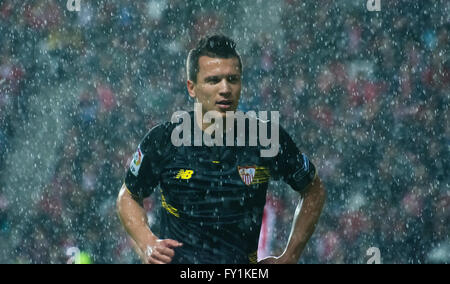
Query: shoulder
column 273, row 127
column 157, row 137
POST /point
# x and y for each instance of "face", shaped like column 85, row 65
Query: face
column 218, row 84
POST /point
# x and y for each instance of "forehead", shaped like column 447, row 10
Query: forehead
column 209, row 66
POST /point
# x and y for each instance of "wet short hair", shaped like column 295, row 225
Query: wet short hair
column 215, row 46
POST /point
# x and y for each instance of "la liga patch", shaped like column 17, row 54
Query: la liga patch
column 136, row 163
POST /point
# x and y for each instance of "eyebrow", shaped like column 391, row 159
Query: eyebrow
column 218, row 77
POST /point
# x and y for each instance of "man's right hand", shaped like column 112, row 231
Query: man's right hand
column 134, row 219
column 161, row 252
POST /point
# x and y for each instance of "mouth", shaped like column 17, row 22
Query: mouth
column 224, row 104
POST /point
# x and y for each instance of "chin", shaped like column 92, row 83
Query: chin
column 223, row 112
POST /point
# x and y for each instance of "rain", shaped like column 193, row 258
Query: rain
column 364, row 93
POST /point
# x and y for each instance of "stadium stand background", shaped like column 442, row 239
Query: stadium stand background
column 365, row 94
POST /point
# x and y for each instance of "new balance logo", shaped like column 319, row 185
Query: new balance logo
column 184, row 174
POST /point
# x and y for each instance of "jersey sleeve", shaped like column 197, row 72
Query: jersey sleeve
column 291, row 165
column 143, row 173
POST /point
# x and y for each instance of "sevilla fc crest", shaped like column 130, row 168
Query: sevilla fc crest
column 247, row 174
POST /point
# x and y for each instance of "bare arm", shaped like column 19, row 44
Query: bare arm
column 134, row 220
column 305, row 220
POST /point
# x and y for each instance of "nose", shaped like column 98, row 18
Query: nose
column 224, row 88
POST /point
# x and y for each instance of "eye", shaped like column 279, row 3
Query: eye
column 212, row 80
column 233, row 79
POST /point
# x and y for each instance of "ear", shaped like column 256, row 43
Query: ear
column 191, row 87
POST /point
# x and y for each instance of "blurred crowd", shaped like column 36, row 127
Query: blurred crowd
column 364, row 94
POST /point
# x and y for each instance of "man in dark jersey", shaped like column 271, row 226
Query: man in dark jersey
column 213, row 196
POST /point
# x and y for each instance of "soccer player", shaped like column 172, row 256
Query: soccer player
column 213, row 196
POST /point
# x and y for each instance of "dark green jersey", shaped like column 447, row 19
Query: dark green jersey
column 213, row 197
